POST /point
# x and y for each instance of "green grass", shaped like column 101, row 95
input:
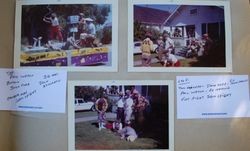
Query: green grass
column 89, row 137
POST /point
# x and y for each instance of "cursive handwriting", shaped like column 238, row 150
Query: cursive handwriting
column 233, row 81
column 20, row 88
column 12, row 75
column 188, row 91
column 183, row 81
column 50, row 83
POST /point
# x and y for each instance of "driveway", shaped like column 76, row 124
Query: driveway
column 93, row 118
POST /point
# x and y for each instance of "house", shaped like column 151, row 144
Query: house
column 150, row 17
column 195, row 20
column 156, row 92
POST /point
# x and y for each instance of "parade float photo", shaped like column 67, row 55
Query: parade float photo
column 58, row 34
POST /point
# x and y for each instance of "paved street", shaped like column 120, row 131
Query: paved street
column 85, row 116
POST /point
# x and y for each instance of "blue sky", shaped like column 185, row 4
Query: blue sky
column 169, row 8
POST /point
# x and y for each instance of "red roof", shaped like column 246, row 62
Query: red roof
column 150, row 15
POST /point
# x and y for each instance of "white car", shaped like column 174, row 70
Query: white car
column 137, row 47
column 82, row 105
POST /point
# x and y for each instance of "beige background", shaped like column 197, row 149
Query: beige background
column 48, row 132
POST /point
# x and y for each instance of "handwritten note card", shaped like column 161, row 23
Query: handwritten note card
column 33, row 90
column 212, row 96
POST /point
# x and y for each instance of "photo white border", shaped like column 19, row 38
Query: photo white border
column 114, row 56
column 228, row 39
column 71, row 110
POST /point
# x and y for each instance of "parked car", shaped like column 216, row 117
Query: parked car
column 83, row 105
column 137, row 47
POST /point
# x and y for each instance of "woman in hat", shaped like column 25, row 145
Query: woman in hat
column 91, row 30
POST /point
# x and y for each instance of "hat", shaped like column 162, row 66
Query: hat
column 83, row 35
column 165, row 33
column 128, row 92
column 205, row 35
column 88, row 19
column 53, row 14
column 121, row 93
column 81, row 14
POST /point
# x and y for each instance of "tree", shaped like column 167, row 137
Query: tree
column 97, row 12
column 139, row 31
column 87, row 92
column 107, row 35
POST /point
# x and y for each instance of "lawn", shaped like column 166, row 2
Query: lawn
column 89, row 137
column 152, row 132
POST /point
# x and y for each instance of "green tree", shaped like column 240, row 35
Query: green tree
column 107, row 35
column 87, row 92
column 139, row 31
column 97, row 12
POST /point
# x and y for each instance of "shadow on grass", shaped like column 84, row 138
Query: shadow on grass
column 89, row 137
column 153, row 133
column 95, row 124
column 156, row 125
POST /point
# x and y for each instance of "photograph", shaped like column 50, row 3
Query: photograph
column 121, row 115
column 62, row 34
column 193, row 36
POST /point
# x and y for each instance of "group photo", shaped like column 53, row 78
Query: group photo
column 121, row 117
column 178, row 35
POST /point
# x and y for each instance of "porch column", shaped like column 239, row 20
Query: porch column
column 184, row 32
column 185, row 35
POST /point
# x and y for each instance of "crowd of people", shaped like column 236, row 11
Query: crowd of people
column 200, row 47
column 79, row 32
column 166, row 49
column 130, row 104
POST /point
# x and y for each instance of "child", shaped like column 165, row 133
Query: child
column 128, row 133
column 117, row 126
column 146, row 48
column 193, row 49
column 160, row 44
column 101, row 106
column 171, row 60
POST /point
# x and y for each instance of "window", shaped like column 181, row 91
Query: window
column 215, row 30
column 177, row 31
column 80, row 101
column 190, row 29
column 193, row 12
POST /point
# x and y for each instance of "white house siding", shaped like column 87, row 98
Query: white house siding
column 205, row 14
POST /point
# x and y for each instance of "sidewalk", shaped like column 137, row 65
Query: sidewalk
column 93, row 118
